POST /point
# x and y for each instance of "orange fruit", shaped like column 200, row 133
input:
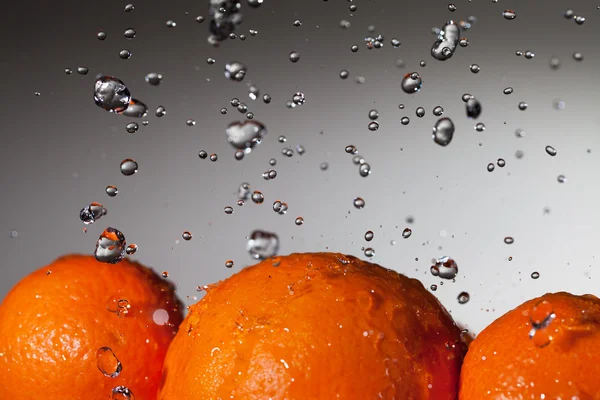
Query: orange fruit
column 315, row 326
column 547, row 348
column 71, row 325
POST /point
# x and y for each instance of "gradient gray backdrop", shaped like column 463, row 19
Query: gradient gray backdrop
column 59, row 151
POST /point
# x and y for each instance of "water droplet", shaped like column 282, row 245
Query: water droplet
column 297, row 23
column 373, row 115
column 509, row 14
column 369, row 236
column 463, row 42
column 561, row 179
column 540, row 318
column 443, row 131
column 131, row 249
column 122, row 393
column 522, row 106
column 411, row 83
column 473, row 108
column 101, row 35
column 364, row 170
column 420, row 112
column 433, row 287
column 129, row 33
column 186, row 235
column 262, row 245
column 445, row 45
column 475, row 68
column 359, row 202
column 245, row 135
column 445, row 267
column 529, row 54
column 480, row 127
column 82, row 70
column 406, row 233
column 452, row 7
column 229, row 264
column 491, row 167
column 438, row 111
column 112, row 191
column 369, row 252
column 551, row 151
column 200, row 19
column 125, row 54
column 132, row 127
column 235, row 71
column 153, row 78
column 373, row 125
column 129, row 8
column 258, row 197
column 68, row 71
column 344, row 74
column 280, row 207
column 507, row 90
column 202, row 154
column 577, row 56
column 354, row 48
column 89, row 214
column 129, row 167
column 395, row 43
column 110, row 247
column 298, row 98
column 294, row 56
column 111, row 94
column 579, row 20
column 519, row 154
column 535, row 275
column 509, row 240
column 405, row 120
column 136, row 109
column 463, row 298
column 501, row 162
column 108, row 363
column 465, row 97
column 353, row 7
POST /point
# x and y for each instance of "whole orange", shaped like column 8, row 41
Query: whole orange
column 78, row 328
column 315, row 326
column 546, row 348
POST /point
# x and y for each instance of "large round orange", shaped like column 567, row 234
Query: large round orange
column 547, row 348
column 315, row 326
column 68, row 327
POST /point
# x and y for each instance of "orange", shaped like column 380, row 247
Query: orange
column 63, row 324
column 547, row 348
column 315, row 326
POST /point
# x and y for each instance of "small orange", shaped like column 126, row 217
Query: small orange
column 547, row 348
column 315, row 326
column 70, row 326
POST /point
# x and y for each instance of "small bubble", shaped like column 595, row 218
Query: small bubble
column 258, row 197
column 68, row 71
column 351, row 149
column 420, row 112
column 101, row 35
column 373, row 126
column 262, row 245
column 551, row 151
column 395, row 43
column 369, row 252
column 186, row 235
column 509, row 240
column 577, row 56
column 359, row 202
column 171, row 24
column 508, row 90
column 433, row 287
column 480, row 127
column 411, row 83
column 452, row 7
column 153, row 78
column 129, row 33
column 491, row 167
column 110, row 247
column 280, row 207
column 229, row 264
column 475, row 68
column 568, row 14
column 561, row 179
column 323, row 166
column 112, row 191
column 466, row 97
column 83, row 70
column 473, row 108
column 463, row 298
column 509, row 14
column 354, row 48
column 344, row 74
column 90, row 213
column 501, row 162
column 111, row 94
column 520, row 133
column 235, row 71
column 202, row 154
column 228, row 210
column 535, row 275
column 373, row 115
column 422, row 63
column 443, row 131
column 519, row 154
column 463, row 42
column 129, row 8
column 129, row 167
column 164, row 274
column 298, row 98
column 200, row 19
column 369, row 236
column 122, row 393
column 213, row 157
column 554, row 63
column 364, row 170
column 136, row 109
column 438, row 111
column 404, row 120
column 445, row 267
column 294, row 56
column 559, row 104
column 297, row 23
column 406, row 233
column 131, row 249
column 190, row 122
column 108, row 363
column 132, row 127
column 579, row 20
column 353, row 7
column 299, row 221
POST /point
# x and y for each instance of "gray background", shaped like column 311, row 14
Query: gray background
column 59, row 151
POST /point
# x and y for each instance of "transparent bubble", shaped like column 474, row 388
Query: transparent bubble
column 324, row 166
column 465, row 97
column 463, row 298
column 351, row 149
column 508, row 90
column 122, row 393
column 406, row 233
column 83, row 70
column 344, row 74
column 200, row 19
column 554, row 63
column 559, row 104
column 353, row 7
column 110, row 247
column 255, row 3
column 235, row 71
column 568, row 14
column 463, row 42
column 447, row 40
column 299, row 221
column 108, row 363
column 239, row 154
column 373, row 125
column 411, row 83
column 111, row 94
column 395, row 43
column 68, row 71
column 354, row 48
column 229, row 264
column 364, row 170
column 509, row 14
column 132, row 127
column 359, row 202
column 519, row 154
column 445, row 267
column 475, row 68
column 480, row 127
column 101, row 35
column 433, row 287
column 245, row 135
column 112, row 191
column 373, row 115
column 443, row 131
column 153, row 78
column 579, row 20
column 118, row 306
column 501, row 162
column 577, row 56
column 438, row 111
column 129, row 33
column 297, row 23
column 257, row 197
column 522, row 106
column 262, row 245
column 161, row 111
column 280, row 207
column 404, row 120
column 136, row 109
column 202, row 154
column 509, row 240
column 171, row 24
column 213, row 157
column 131, row 249
column 92, row 212
column 420, row 112
column 473, row 108
column 369, row 252
column 186, row 235
column 535, row 275
column 243, row 191
column 369, row 235
column 294, row 56
column 520, row 133
column 491, row 167
column 129, row 8
column 129, row 167
column 298, row 98
column 561, row 179
column 452, row 7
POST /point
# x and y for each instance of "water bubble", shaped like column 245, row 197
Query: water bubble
column 395, row 43
column 255, row 3
column 369, row 252
column 344, row 74
column 480, row 127
column 401, row 106
column 520, row 133
column 353, row 7
column 112, row 191
column 509, row 14
column 373, row 115
column 577, row 56
column 364, row 170
column 129, row 33
column 351, row 149
column 202, row 154
column 422, row 63
column 298, row 98
column 445, row 267
column 92, row 212
column 445, row 45
column 475, row 68
column 354, row 48
column 297, row 23
column 164, row 274
column 443, row 131
column 406, row 233
column 554, row 63
column 540, row 318
column 108, row 363
column 83, row 70
column 452, row 7
column 519, row 154
column 171, row 24
column 294, row 56
column 136, row 109
column 190, row 122
column 101, row 35
column 258, row 197
column 213, row 157
column 522, row 106
column 509, row 240
column 466, row 97
column 411, row 83
column 132, row 127
column 373, row 125
column 129, row 167
column 491, row 167
column 280, row 207
column 501, row 162
column 122, row 393
column 463, row 298
column 186, row 235
column 323, row 166
column 129, row 8
column 358, row 160
column 433, row 287
column 508, row 90
column 473, row 108
column 110, row 247
column 299, row 221
column 463, row 42
column 131, row 249
column 579, row 20
column 235, row 71
column 243, row 191
column 404, row 120
column 153, row 78
column 111, row 94
column 359, row 202
column 369, row 236
column 68, row 71
column 242, row 107
column 561, row 179
column 438, row 111
column 262, row 245
column 420, row 112
column 229, row 264
column 160, row 111
column 535, row 275
column 529, row 54
column 518, row 53
column 245, row 135
column 200, row 19
column 551, row 151
column 559, row 104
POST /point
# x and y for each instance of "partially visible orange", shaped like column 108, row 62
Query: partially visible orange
column 315, row 326
column 547, row 348
column 63, row 324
